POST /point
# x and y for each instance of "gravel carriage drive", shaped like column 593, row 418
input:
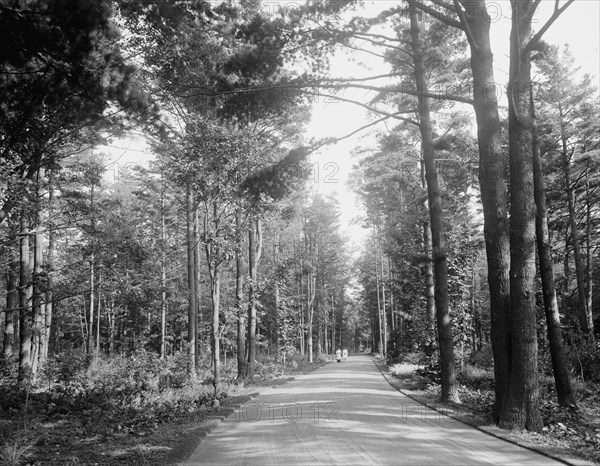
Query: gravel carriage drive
column 349, row 414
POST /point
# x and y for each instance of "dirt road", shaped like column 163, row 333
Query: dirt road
column 347, row 413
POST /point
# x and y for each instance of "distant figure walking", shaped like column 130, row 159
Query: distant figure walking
column 338, row 355
column 345, row 354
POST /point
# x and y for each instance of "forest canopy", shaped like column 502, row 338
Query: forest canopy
column 221, row 260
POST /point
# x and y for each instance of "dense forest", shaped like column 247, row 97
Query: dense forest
column 164, row 286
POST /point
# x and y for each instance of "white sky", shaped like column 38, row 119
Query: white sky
column 579, row 26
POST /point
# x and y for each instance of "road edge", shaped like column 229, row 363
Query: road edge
column 190, row 443
column 568, row 460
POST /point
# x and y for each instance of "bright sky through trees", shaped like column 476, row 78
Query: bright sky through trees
column 579, row 27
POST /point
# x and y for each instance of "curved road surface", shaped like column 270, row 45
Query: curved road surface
column 347, row 413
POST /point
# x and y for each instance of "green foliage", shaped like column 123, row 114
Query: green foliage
column 583, row 358
column 138, row 391
column 476, row 378
column 16, row 447
column 482, row 358
column 60, row 70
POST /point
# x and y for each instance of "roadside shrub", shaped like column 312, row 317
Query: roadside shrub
column 417, row 358
column 267, row 367
column 16, row 447
column 403, row 369
column 585, row 360
column 482, row 358
column 119, row 381
column 476, row 378
column 295, row 361
column 322, row 358
column 64, row 367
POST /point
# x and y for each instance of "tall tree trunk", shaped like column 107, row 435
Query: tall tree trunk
column 38, row 307
column 48, row 301
column 566, row 269
column 311, row 286
column 82, row 322
column 197, row 253
column 379, row 320
column 331, row 348
column 310, row 310
column 239, row 300
column 276, row 296
column 449, row 390
column 163, row 278
column 429, row 285
column 90, row 322
column 588, row 266
column 191, row 267
column 476, row 328
column 110, row 314
column 383, row 308
column 90, row 330
column 215, row 336
column 557, row 352
column 392, row 308
column 99, row 314
column 25, row 296
column 521, row 410
column 579, row 272
column 254, row 253
column 493, row 189
column 301, row 327
column 319, row 337
column 12, row 304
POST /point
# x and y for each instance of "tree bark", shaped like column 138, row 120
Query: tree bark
column 579, row 272
column 12, row 304
column 588, row 266
column 99, row 314
column 392, row 304
column 493, row 190
column 90, row 330
column 276, row 297
column 311, row 284
column 197, row 253
column 429, row 285
column 48, row 301
column 310, row 311
column 254, row 253
column 25, row 295
column 521, row 410
column 215, row 337
column 566, row 268
column 110, row 314
column 379, row 318
column 163, row 278
column 191, row 267
column 440, row 268
column 301, row 329
column 384, row 311
column 241, row 311
column 37, row 299
column 560, row 369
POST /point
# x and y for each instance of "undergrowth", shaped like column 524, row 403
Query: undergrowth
column 102, row 396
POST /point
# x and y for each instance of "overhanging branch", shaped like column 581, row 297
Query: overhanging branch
column 537, row 37
column 439, row 15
